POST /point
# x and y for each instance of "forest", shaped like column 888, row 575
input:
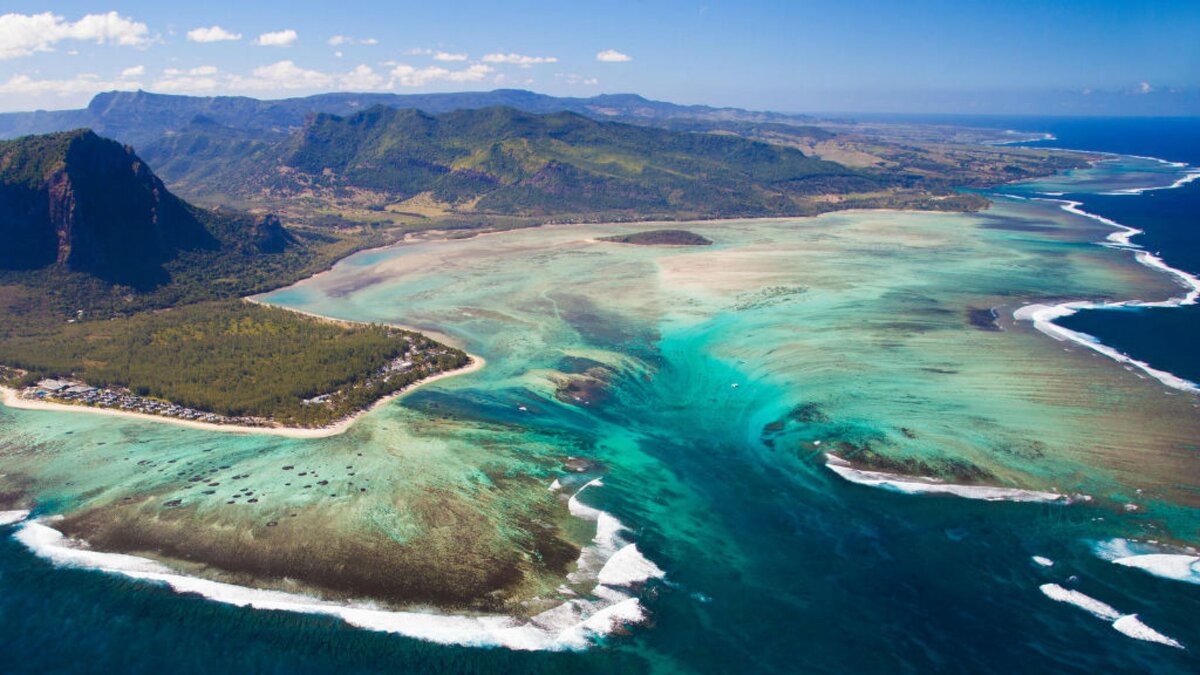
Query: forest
column 235, row 358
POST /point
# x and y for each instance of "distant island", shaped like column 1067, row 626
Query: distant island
column 660, row 238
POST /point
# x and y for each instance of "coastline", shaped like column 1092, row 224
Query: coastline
column 610, row 564
column 914, row 485
column 1042, row 316
column 1039, row 314
column 433, row 334
column 11, row 399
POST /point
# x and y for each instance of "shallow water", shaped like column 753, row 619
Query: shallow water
column 869, row 332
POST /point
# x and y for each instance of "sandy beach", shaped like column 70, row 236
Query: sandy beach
column 11, row 399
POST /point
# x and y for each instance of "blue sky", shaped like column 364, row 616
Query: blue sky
column 844, row 55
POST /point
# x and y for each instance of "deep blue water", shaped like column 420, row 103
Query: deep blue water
column 1166, row 338
column 845, row 578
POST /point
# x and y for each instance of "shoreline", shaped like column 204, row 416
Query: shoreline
column 433, row 334
column 1042, row 315
column 11, row 399
column 924, row 485
column 610, row 564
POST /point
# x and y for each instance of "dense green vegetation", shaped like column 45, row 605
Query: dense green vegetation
column 121, row 284
column 505, row 162
column 236, row 151
column 142, row 118
column 234, row 358
column 27, row 161
column 96, row 238
column 89, row 230
column 660, row 238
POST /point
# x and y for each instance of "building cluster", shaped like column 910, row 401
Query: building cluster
column 417, row 361
column 67, row 391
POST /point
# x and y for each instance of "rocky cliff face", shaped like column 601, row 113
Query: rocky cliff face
column 90, row 204
column 269, row 235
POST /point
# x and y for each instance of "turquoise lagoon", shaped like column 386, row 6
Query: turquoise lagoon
column 702, row 386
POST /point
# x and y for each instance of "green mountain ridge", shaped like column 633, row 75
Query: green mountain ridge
column 86, row 220
column 139, row 117
column 90, row 205
column 505, row 161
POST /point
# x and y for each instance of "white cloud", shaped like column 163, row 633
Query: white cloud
column 519, row 59
column 283, row 75
column 613, row 56
column 362, row 78
column 134, row 71
column 408, row 76
column 1144, row 88
column 198, row 70
column 286, row 75
column 198, row 79
column 25, row 34
column 347, row 40
column 83, row 83
column 574, row 78
column 438, row 55
column 281, row 38
column 174, row 84
column 212, row 34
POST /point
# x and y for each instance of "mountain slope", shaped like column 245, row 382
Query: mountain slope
column 505, row 161
column 89, row 204
column 83, row 219
column 140, row 117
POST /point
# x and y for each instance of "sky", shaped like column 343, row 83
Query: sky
column 963, row 56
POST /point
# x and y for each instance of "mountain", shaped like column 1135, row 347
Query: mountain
column 139, row 117
column 505, row 161
column 77, row 206
column 89, row 204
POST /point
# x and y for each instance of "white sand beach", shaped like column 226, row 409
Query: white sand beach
column 12, row 399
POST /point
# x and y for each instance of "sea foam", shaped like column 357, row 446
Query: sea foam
column 571, row 625
column 1127, row 624
column 628, row 567
column 10, row 517
column 1080, row 600
column 1043, row 316
column 1166, row 565
column 923, row 485
column 1132, row 626
column 1151, row 559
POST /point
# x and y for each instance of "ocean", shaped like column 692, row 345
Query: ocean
column 1169, row 220
column 726, row 373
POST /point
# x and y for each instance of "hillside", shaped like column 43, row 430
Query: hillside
column 88, row 226
column 108, row 279
column 90, row 205
column 138, row 117
column 507, row 162
column 208, row 149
